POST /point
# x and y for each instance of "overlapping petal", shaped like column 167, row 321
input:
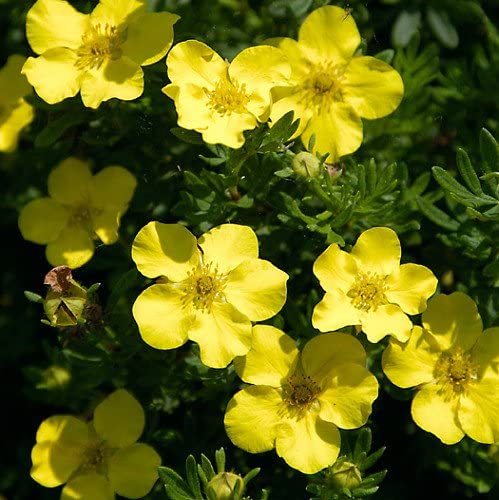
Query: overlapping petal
column 88, row 486
column 228, row 128
column 387, row 319
column 68, row 182
column 117, row 12
column 73, row 247
column 335, row 311
column 335, row 269
column 112, row 187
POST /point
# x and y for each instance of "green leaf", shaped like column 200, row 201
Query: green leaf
column 189, row 136
column 442, row 28
column 372, row 459
column 492, row 270
column 220, row 460
column 363, row 442
column 468, row 172
column 56, row 128
column 451, row 185
column 406, row 24
column 436, row 215
column 365, row 492
column 207, row 467
column 279, row 133
column 191, row 474
column 176, row 488
column 489, row 150
column 33, row 297
column 385, row 55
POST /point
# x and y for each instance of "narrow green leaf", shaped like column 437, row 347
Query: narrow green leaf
column 492, row 270
column 421, row 183
column 175, row 487
column 363, row 442
column 33, row 297
column 207, row 467
column 468, row 172
column 385, row 55
column 365, row 492
column 373, row 479
column 442, row 28
column 372, row 459
column 189, row 136
column 250, row 475
column 451, row 185
column 489, row 150
column 281, row 131
column 220, row 460
column 436, row 215
column 192, row 477
column 406, row 24
column 371, row 177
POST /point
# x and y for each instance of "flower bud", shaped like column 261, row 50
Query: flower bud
column 222, row 486
column 345, row 475
column 54, row 377
column 306, row 165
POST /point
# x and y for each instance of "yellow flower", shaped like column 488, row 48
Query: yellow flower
column 455, row 368
column 299, row 400
column 81, row 208
column 99, row 458
column 15, row 112
column 369, row 287
column 222, row 100
column 209, row 290
column 331, row 88
column 99, row 54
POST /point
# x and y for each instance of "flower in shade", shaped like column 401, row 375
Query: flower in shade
column 222, row 100
column 99, row 54
column 299, row 400
column 99, row 458
column 331, row 88
column 15, row 112
column 209, row 290
column 369, row 288
column 81, row 207
column 455, row 367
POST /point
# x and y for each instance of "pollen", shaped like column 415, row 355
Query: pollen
column 368, row 291
column 454, row 371
column 203, row 286
column 95, row 457
column 323, row 85
column 228, row 97
column 301, row 392
column 99, row 43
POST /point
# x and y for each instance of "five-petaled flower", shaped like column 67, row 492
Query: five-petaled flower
column 96, row 458
column 15, row 112
column 331, row 88
column 222, row 100
column 299, row 400
column 209, row 290
column 100, row 53
column 81, row 208
column 369, row 287
column 455, row 367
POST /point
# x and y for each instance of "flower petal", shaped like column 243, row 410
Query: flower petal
column 117, row 12
column 252, row 416
column 68, row 182
column 119, row 419
column 410, row 286
column 324, row 352
column 348, row 397
column 436, row 414
column 72, row 248
column 222, row 334
column 335, row 269
column 388, row 319
column 112, row 187
column 485, row 353
column 149, row 36
column 378, row 250
column 133, row 470
column 54, row 23
column 372, row 87
column 453, row 320
column 54, row 75
column 335, row 311
column 228, row 245
column 309, row 444
column 291, row 100
column 165, row 250
column 331, row 32
column 61, row 443
column 227, row 129
column 257, row 289
column 162, row 319
column 18, row 118
column 13, row 84
column 412, row 363
column 272, row 357
column 105, row 225
column 42, row 220
column 88, row 486
column 193, row 62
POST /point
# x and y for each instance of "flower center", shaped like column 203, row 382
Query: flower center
column 301, row 392
column 80, row 216
column 228, row 97
column 204, row 285
column 323, row 84
column 455, row 371
column 95, row 457
column 98, row 44
column 368, row 291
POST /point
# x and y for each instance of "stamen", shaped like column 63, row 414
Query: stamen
column 203, row 286
column 323, row 84
column 454, row 371
column 368, row 291
column 98, row 44
column 301, row 392
column 95, row 457
column 228, row 97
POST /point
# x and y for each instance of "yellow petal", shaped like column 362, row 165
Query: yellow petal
column 20, row 116
column 162, row 319
column 68, row 182
column 272, row 357
column 165, row 250
column 112, row 187
column 252, row 416
column 324, row 352
column 42, row 220
column 117, row 12
column 54, row 74
column 13, row 84
column 335, row 311
column 410, row 286
column 435, row 414
column 348, row 396
column 227, row 129
column 195, row 63
column 61, row 442
column 485, row 353
column 335, row 269
column 222, row 334
column 337, row 129
column 119, row 419
column 453, row 320
column 228, row 245
column 54, row 23
column 72, row 248
column 88, row 486
column 412, row 363
column 479, row 408
column 106, row 224
column 309, row 444
column 121, row 78
column 149, row 36
column 388, row 319
column 257, row 289
column 372, row 87
column 378, row 250
column 133, row 470
column 331, row 32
